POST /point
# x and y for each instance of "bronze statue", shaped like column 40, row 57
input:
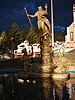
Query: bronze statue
column 45, row 38
column 43, row 22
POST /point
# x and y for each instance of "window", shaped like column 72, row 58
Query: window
column 71, row 36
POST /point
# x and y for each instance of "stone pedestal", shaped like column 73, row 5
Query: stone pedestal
column 46, row 53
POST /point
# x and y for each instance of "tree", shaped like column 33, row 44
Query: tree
column 25, row 32
column 33, row 36
column 16, row 34
column 14, row 27
column 3, row 40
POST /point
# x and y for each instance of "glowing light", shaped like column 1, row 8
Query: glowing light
column 28, row 81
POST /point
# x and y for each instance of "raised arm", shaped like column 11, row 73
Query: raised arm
column 46, row 7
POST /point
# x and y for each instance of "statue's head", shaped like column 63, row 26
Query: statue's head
column 40, row 8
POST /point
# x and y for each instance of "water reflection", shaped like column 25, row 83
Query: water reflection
column 47, row 89
column 65, row 93
column 33, row 89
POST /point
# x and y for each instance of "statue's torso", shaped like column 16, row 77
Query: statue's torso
column 40, row 14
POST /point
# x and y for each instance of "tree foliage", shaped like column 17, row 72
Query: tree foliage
column 3, row 39
column 15, row 36
column 33, row 36
column 59, row 35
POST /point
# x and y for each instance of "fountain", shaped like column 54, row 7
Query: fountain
column 47, row 65
column 43, row 79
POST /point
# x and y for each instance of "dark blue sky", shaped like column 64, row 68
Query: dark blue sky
column 13, row 11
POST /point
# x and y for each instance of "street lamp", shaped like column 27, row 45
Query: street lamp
column 52, row 23
column 12, row 48
column 13, row 37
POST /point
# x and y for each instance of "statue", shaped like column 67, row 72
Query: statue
column 43, row 22
column 45, row 38
column 49, row 62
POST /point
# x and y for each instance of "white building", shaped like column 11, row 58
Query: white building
column 70, row 37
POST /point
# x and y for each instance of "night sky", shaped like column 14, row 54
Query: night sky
column 13, row 11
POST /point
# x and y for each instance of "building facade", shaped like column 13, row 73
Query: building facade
column 70, row 37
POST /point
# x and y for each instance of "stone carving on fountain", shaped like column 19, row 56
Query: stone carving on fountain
column 60, row 63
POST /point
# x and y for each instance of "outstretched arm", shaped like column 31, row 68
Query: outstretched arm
column 31, row 15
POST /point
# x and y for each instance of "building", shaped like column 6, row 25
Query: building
column 70, row 37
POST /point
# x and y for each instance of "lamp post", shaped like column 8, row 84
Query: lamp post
column 52, row 23
column 12, row 49
column 13, row 38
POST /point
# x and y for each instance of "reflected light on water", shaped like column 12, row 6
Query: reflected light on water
column 28, row 81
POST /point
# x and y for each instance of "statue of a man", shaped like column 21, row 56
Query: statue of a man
column 43, row 22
